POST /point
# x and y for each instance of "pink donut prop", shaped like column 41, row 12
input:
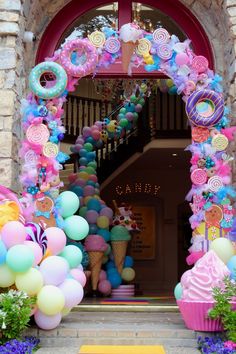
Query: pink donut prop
column 205, row 108
column 80, row 46
column 7, row 194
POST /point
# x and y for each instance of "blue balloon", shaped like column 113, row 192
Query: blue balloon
column 90, row 140
column 130, row 107
column 77, row 190
column 83, row 161
column 91, row 155
column 115, row 280
column 178, row 291
column 3, row 253
column 129, row 262
column 83, row 153
column 93, row 229
column 105, row 234
column 94, row 204
column 232, row 267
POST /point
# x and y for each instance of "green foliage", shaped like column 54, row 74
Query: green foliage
column 223, row 307
column 15, row 309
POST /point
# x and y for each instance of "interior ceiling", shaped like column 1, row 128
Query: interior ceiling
column 164, row 159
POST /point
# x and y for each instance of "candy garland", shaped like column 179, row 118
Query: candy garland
column 200, row 87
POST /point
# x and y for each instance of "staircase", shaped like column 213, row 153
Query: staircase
column 118, row 328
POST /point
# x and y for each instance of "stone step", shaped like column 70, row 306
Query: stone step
column 117, row 328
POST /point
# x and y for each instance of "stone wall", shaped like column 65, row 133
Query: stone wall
column 218, row 17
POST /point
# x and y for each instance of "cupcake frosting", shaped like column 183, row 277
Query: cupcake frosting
column 208, row 272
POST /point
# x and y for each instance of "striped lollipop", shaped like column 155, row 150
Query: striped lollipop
column 36, row 234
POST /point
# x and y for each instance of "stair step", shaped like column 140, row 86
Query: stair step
column 74, row 350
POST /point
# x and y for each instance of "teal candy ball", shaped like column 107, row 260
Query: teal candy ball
column 178, row 291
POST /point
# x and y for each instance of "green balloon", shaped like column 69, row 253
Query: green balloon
column 122, row 110
column 88, row 147
column 73, row 255
column 178, row 291
column 83, row 211
column 133, row 99
column 108, row 250
column 90, row 170
column 123, row 122
column 69, row 203
column 76, row 227
column 20, row 258
column 93, row 164
column 141, row 101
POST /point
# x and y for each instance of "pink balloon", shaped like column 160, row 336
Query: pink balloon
column 138, row 108
column 95, row 134
column 72, row 291
column 37, row 250
column 56, row 239
column 104, row 287
column 93, row 178
column 99, row 124
column 80, row 182
column 181, row 59
column 107, row 212
column 91, row 216
column 78, row 275
column 54, row 270
column 102, row 275
column 47, row 322
column 80, row 140
column 86, row 132
column 89, row 191
column 13, row 233
column 72, row 178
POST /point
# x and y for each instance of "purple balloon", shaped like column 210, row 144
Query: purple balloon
column 47, row 322
column 54, row 270
column 72, row 291
column 129, row 116
column 138, row 108
column 86, row 132
column 104, row 287
column 89, row 190
column 91, row 216
column 80, row 182
column 107, row 212
column 80, row 140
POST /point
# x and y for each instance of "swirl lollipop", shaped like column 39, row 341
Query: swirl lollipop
column 97, row 38
column 144, row 46
column 37, row 134
column 200, row 134
column 220, row 142
column 215, row 183
column 164, row 51
column 30, row 157
column 161, row 36
column 112, row 45
column 199, row 176
column 200, row 64
column 50, row 149
column 36, row 234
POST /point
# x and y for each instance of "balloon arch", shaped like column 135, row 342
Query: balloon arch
column 211, row 194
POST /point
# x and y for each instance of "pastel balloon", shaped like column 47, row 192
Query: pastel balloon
column 91, row 216
column 232, row 267
column 72, row 291
column 56, row 239
column 223, row 248
column 181, row 59
column 128, row 274
column 73, row 255
column 65, row 311
column 13, row 233
column 76, row 227
column 3, row 252
column 7, row 276
column 50, row 300
column 30, row 282
column 54, row 270
column 102, row 275
column 104, row 287
column 108, row 212
column 68, row 203
column 178, row 291
column 20, row 258
column 37, row 251
column 102, row 222
column 46, row 322
column 78, row 275
column 89, row 191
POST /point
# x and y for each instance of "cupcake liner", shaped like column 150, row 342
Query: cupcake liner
column 195, row 316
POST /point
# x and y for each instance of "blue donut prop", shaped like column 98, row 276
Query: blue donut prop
column 205, row 108
column 50, row 92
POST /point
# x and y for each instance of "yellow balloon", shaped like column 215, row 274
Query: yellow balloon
column 31, row 281
column 103, row 222
column 83, row 175
column 169, row 83
column 50, row 300
column 86, row 199
column 128, row 274
column 7, row 276
column 223, row 248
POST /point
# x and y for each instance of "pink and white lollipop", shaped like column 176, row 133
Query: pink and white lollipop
column 164, row 51
column 215, row 183
column 161, row 36
column 200, row 64
column 112, row 45
column 36, row 234
column 199, row 176
column 37, row 134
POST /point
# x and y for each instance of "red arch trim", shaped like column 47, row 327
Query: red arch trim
column 173, row 8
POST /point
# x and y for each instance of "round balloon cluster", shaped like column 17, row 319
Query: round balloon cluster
column 40, row 263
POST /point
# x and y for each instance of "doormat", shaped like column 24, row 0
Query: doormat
column 135, row 300
column 122, row 349
column 124, row 302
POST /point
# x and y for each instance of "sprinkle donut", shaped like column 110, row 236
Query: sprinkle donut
column 205, row 108
column 36, row 234
column 50, row 92
column 80, row 46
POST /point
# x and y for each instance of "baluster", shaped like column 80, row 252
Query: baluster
column 94, row 111
column 73, row 117
column 167, row 111
column 89, row 113
column 77, row 117
column 66, row 120
column 83, row 114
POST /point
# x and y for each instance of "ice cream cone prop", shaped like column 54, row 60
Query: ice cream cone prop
column 127, row 52
column 119, row 249
column 95, row 264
